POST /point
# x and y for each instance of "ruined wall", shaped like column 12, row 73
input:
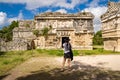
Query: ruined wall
column 83, row 24
column 111, row 27
column 22, row 37
column 66, row 25
column 112, row 6
column 50, row 42
column 14, row 45
column 25, row 33
column 110, row 44
column 83, row 41
column 26, row 24
column 63, row 25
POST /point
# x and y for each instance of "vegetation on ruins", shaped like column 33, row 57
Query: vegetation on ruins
column 45, row 31
column 97, row 39
column 36, row 32
column 27, row 25
column 6, row 32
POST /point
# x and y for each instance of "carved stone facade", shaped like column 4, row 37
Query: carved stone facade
column 111, row 27
column 77, row 27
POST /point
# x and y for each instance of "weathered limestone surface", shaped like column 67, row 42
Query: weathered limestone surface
column 78, row 27
column 111, row 27
column 13, row 45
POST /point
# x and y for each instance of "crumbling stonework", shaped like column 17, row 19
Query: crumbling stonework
column 111, row 27
column 77, row 27
column 13, row 45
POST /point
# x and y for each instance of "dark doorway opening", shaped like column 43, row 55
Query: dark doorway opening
column 31, row 45
column 63, row 40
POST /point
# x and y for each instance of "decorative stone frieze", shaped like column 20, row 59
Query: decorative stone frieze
column 111, row 27
column 77, row 27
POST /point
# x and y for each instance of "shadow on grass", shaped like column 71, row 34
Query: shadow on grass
column 78, row 71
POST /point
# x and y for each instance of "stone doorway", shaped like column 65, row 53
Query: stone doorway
column 63, row 40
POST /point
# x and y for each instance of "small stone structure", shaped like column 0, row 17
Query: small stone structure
column 111, row 27
column 13, row 45
column 22, row 39
column 77, row 27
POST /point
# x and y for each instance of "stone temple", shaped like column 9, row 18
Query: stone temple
column 111, row 27
column 77, row 27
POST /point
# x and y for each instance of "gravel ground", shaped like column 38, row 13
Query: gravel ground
column 98, row 67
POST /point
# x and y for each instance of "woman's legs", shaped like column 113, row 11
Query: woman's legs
column 63, row 64
column 66, row 57
column 69, row 62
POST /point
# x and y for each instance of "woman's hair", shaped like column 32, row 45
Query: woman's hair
column 66, row 40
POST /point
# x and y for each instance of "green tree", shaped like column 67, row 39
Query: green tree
column 97, row 39
column 36, row 32
column 45, row 31
column 6, row 32
column 27, row 25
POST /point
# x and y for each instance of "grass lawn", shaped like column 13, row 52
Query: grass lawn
column 9, row 60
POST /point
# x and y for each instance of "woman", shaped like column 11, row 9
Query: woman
column 68, row 55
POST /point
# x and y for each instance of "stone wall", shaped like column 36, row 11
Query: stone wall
column 78, row 27
column 83, row 41
column 110, row 44
column 66, row 25
column 26, row 24
column 25, row 33
column 14, row 45
column 111, row 27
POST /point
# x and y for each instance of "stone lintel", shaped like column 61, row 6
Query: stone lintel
column 108, row 30
column 64, row 29
column 110, row 38
column 77, row 33
column 110, row 17
column 60, row 18
column 22, row 29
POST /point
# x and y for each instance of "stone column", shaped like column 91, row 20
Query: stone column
column 118, row 47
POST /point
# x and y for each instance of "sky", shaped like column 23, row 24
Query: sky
column 11, row 10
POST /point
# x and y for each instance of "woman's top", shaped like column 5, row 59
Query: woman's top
column 67, row 47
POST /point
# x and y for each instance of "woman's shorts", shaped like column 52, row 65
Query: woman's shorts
column 67, row 55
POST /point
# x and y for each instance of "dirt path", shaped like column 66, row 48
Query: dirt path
column 83, row 68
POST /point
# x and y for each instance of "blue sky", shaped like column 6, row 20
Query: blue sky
column 26, row 9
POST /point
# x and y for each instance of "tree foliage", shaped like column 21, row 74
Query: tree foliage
column 36, row 32
column 45, row 31
column 97, row 39
column 6, row 32
column 27, row 25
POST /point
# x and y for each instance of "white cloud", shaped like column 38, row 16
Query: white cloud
column 19, row 17
column 3, row 17
column 35, row 11
column 94, row 3
column 48, row 10
column 4, row 20
column 97, row 12
column 61, row 10
column 33, row 4
column 64, row 4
